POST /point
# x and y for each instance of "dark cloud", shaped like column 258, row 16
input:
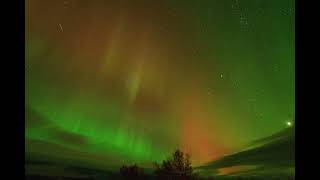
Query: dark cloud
column 45, row 153
column 278, row 152
column 282, row 134
column 68, row 137
column 33, row 119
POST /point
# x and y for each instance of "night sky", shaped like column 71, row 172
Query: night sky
column 130, row 81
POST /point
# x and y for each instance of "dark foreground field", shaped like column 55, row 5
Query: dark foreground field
column 118, row 177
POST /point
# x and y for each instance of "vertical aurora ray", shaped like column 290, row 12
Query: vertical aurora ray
column 131, row 81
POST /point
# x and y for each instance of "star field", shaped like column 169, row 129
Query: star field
column 130, row 81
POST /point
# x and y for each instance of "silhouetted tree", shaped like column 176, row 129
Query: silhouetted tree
column 131, row 172
column 177, row 167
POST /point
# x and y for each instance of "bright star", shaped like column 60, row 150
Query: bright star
column 61, row 27
column 289, row 123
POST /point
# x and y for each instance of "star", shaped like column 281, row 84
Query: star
column 61, row 27
column 289, row 123
column 221, row 75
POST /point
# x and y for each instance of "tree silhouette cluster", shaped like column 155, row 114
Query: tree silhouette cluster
column 178, row 167
column 131, row 172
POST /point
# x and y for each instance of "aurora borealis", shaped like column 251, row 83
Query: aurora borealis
column 118, row 81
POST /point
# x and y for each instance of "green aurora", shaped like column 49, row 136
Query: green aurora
column 113, row 82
